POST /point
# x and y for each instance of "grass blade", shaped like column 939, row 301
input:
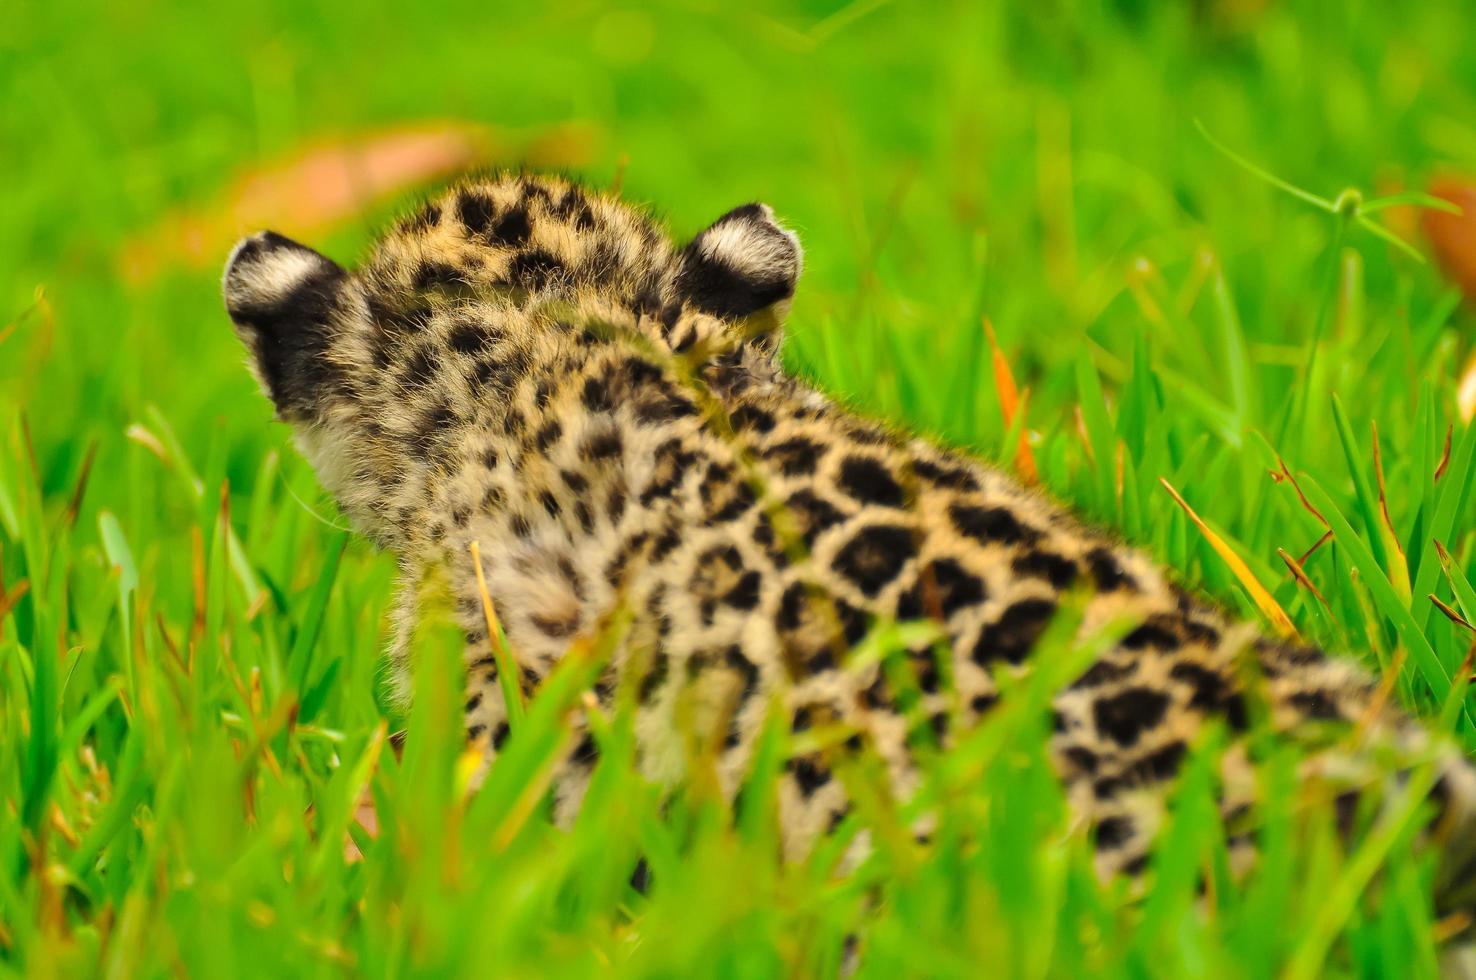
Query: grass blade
column 1396, row 612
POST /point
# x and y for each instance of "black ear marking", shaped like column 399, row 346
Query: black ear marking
column 281, row 294
column 743, row 263
column 269, row 277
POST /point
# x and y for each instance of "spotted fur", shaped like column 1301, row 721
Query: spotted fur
column 533, row 366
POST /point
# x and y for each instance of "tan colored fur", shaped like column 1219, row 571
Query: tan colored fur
column 535, row 367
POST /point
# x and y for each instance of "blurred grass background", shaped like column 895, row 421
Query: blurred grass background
column 1036, row 163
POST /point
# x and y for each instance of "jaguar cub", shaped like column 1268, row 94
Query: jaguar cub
column 534, row 366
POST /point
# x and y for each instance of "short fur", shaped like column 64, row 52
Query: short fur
column 534, row 366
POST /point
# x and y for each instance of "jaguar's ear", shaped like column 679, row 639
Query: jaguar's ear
column 280, row 295
column 743, row 268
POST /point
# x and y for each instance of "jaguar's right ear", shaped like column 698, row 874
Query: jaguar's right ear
column 743, row 268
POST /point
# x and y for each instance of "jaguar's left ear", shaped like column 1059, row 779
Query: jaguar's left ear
column 743, row 268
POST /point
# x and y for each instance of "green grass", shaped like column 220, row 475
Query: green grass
column 179, row 759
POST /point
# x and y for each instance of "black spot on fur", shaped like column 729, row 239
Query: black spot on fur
column 558, row 627
column 1107, row 572
column 1211, row 692
column 655, row 676
column 819, row 660
column 792, row 606
column 1129, row 713
column 1081, row 758
column 395, row 318
column 639, row 372
column 548, row 435
column 1319, row 705
column 511, row 228
column 718, row 476
column 1104, row 672
column 874, row 556
column 809, row 774
column 853, row 622
column 419, row 370
column 602, row 445
column 812, row 515
column 586, row 752
column 534, row 269
column 431, row 424
column 543, row 394
column 1155, row 633
column 1014, row 634
column 741, row 500
column 671, row 466
column 430, row 275
column 948, row 477
column 475, row 209
column 483, row 374
column 427, row 217
column 925, row 665
column 573, row 207
column 1197, row 632
column 794, row 457
column 957, row 588
column 1159, row 765
column 597, row 396
column 1047, row 565
column 467, row 338
column 746, row 669
column 751, row 419
column 615, row 504
column 533, row 189
column 868, row 481
column 663, row 406
column 1114, row 832
column 745, row 594
column 990, row 525
column 666, row 543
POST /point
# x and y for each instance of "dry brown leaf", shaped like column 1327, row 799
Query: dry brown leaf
column 1263, row 599
column 1453, row 236
column 330, row 181
column 1300, row 574
column 1010, row 401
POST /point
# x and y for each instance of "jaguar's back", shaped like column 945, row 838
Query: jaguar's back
column 536, row 368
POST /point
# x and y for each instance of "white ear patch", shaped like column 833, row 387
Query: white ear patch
column 743, row 263
column 753, row 245
column 265, row 269
column 267, row 280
